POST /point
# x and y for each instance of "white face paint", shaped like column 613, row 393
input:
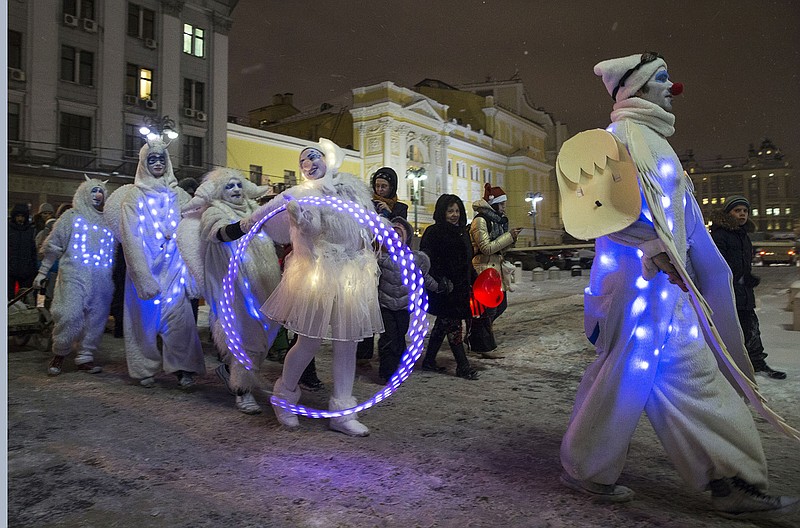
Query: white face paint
column 312, row 164
column 233, row 191
column 157, row 163
column 98, row 196
column 658, row 90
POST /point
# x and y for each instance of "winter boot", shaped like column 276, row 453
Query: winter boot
column 55, row 366
column 734, row 498
column 246, row 403
column 286, row 418
column 309, row 380
column 463, row 368
column 347, row 424
column 185, row 379
column 434, row 344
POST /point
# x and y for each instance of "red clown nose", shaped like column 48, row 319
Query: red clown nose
column 676, row 89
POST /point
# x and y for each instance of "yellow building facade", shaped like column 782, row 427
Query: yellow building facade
column 458, row 139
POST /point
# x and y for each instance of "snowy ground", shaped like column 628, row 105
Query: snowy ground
column 100, row 451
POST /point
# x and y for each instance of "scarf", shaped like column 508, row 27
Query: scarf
column 390, row 202
column 645, row 113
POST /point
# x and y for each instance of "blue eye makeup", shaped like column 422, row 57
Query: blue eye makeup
column 662, row 77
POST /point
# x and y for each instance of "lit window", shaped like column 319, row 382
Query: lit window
column 754, row 212
column 705, row 201
column 787, row 211
column 713, row 201
column 139, row 81
column 753, row 176
column 193, row 40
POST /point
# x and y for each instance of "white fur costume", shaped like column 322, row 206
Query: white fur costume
column 652, row 355
column 145, row 218
column 259, row 270
column 84, row 244
column 329, row 287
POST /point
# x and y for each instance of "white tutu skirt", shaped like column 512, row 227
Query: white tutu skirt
column 328, row 298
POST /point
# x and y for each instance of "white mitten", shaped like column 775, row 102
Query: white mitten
column 307, row 220
column 39, row 281
column 248, row 223
column 148, row 290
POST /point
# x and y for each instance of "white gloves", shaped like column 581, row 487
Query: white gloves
column 39, row 281
column 149, row 289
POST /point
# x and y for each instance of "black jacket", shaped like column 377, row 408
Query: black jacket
column 450, row 250
column 734, row 244
column 22, row 261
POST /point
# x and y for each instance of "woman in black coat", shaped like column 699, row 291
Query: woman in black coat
column 448, row 245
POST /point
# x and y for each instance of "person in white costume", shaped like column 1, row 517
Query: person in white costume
column 82, row 296
column 145, row 217
column 330, row 281
column 208, row 237
column 639, row 313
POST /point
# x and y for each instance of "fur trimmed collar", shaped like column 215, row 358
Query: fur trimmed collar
column 722, row 220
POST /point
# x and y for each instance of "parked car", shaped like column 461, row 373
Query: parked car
column 767, row 252
column 577, row 257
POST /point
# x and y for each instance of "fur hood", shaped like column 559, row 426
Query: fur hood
column 82, row 200
column 440, row 211
column 211, row 190
column 722, row 220
column 144, row 180
column 388, row 174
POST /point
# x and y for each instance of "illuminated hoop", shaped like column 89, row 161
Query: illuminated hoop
column 413, row 279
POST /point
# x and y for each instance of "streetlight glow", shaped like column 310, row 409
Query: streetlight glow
column 534, row 198
column 158, row 127
column 416, row 175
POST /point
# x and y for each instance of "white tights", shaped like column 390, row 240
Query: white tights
column 304, row 350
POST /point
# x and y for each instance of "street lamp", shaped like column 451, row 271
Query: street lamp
column 416, row 175
column 158, row 127
column 534, row 198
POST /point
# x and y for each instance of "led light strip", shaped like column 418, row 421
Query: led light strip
column 413, row 279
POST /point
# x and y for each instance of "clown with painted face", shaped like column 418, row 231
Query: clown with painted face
column 84, row 246
column 329, row 288
column 145, row 216
column 660, row 349
column 208, row 236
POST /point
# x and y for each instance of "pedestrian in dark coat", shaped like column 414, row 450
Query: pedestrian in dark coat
column 448, row 245
column 22, row 263
column 384, row 189
column 729, row 230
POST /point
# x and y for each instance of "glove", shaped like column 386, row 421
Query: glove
column 248, row 223
column 445, row 285
column 39, row 281
column 148, row 290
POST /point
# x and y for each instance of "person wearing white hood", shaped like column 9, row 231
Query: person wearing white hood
column 208, row 236
column 84, row 244
column 659, row 308
column 330, row 280
column 145, row 218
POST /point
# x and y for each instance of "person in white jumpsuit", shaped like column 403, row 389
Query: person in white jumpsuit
column 652, row 355
column 208, row 237
column 84, row 244
column 330, row 281
column 145, row 219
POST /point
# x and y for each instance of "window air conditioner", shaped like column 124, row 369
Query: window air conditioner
column 16, row 75
column 150, row 43
column 131, row 100
column 70, row 20
column 189, row 112
column 201, row 116
column 150, row 104
column 89, row 26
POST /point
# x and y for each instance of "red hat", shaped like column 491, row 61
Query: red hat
column 493, row 195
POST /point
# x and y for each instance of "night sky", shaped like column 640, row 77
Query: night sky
column 739, row 60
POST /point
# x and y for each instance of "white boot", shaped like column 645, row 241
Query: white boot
column 285, row 417
column 349, row 423
column 247, row 404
